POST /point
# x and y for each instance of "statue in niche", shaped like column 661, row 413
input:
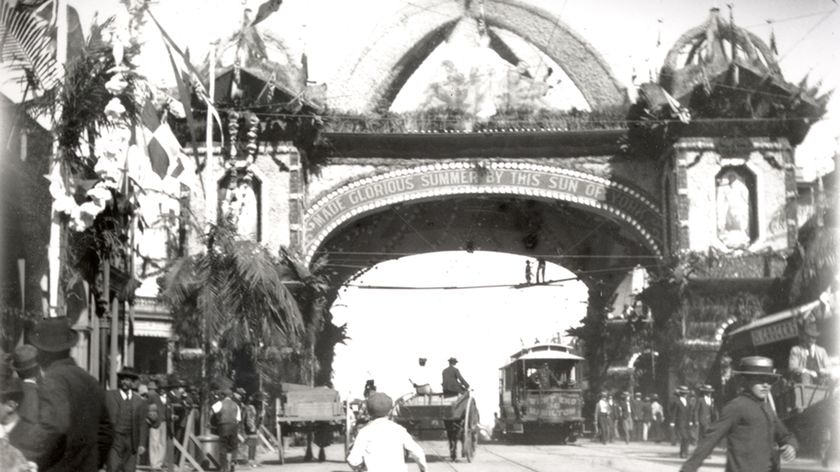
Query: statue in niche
column 239, row 203
column 733, row 210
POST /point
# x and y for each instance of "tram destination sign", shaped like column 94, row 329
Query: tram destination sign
column 433, row 182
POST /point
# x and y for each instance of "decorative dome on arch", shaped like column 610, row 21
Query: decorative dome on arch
column 709, row 50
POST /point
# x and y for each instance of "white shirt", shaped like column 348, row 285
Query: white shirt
column 5, row 429
column 380, row 446
column 420, row 376
column 125, row 395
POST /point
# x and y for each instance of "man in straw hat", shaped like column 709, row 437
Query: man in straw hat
column 755, row 437
column 807, row 361
column 127, row 412
column 380, row 445
column 72, row 432
column 705, row 410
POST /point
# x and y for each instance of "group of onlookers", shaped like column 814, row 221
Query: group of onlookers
column 54, row 416
column 631, row 418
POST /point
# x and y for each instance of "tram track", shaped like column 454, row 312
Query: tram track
column 482, row 449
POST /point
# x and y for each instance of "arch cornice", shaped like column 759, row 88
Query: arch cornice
column 351, row 200
column 371, row 81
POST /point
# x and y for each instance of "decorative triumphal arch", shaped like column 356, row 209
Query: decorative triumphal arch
column 694, row 182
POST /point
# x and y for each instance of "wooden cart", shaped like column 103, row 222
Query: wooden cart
column 311, row 411
column 417, row 413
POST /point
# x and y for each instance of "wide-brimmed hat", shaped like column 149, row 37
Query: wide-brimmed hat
column 654, row 396
column 625, row 394
column 128, row 372
column 379, row 404
column 54, row 334
column 25, row 358
column 706, row 388
column 681, row 389
column 452, row 360
column 756, row 365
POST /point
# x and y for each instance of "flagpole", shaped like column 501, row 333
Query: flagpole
column 54, row 248
column 205, row 403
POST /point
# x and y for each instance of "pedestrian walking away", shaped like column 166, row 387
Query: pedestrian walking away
column 453, row 384
column 705, row 410
column 381, row 445
column 756, row 440
column 72, row 433
column 228, row 415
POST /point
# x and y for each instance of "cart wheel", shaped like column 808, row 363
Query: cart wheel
column 281, row 447
column 470, row 430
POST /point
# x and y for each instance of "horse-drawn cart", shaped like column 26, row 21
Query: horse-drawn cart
column 316, row 412
column 457, row 415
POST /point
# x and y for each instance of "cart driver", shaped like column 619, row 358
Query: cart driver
column 452, row 381
column 807, row 361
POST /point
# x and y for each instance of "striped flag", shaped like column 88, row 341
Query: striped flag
column 161, row 145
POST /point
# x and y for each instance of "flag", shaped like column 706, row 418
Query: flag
column 185, row 70
column 160, row 143
column 773, row 46
column 682, row 112
column 266, row 9
column 184, row 99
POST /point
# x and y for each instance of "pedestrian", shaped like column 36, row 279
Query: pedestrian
column 540, row 270
column 72, row 433
column 421, row 380
column 625, row 416
column 381, row 445
column 705, row 410
column 755, row 437
column 12, row 427
column 615, row 415
column 250, row 425
column 227, row 417
column 658, row 415
column 528, row 272
column 604, row 423
column 453, row 384
column 808, row 362
column 647, row 417
column 25, row 363
column 681, row 421
column 157, row 419
column 128, row 414
column 637, row 411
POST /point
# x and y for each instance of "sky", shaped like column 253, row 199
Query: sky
column 482, row 327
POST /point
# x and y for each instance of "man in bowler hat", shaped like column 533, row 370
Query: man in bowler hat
column 72, row 433
column 681, row 421
column 453, row 384
column 127, row 413
column 755, row 437
column 25, row 363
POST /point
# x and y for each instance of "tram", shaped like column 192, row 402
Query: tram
column 539, row 395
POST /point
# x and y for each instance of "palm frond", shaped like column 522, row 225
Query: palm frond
column 26, row 44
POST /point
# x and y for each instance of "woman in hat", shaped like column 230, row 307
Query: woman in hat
column 755, row 437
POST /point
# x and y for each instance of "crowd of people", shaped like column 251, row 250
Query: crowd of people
column 54, row 416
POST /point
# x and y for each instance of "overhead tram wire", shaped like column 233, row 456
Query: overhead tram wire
column 547, row 283
column 550, row 255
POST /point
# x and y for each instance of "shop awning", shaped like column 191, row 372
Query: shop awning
column 773, row 328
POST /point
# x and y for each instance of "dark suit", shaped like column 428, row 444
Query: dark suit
column 751, row 429
column 72, row 433
column 123, row 453
column 704, row 416
column 452, row 381
column 681, row 418
column 28, row 409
